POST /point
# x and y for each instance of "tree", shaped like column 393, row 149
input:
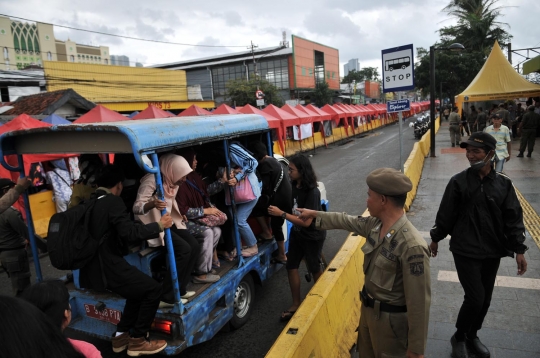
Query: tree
column 323, row 94
column 365, row 74
column 477, row 26
column 353, row 75
column 242, row 92
column 477, row 29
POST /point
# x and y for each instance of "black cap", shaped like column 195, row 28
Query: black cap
column 480, row 139
column 495, row 115
column 6, row 183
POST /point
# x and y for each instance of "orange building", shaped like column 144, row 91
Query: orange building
column 313, row 62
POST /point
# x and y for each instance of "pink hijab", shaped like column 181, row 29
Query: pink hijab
column 173, row 168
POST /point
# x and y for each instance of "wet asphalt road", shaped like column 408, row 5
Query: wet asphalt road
column 343, row 169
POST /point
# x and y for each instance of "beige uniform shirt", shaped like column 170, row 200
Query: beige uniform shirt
column 454, row 118
column 396, row 267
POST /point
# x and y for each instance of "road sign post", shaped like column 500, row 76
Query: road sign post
column 398, row 75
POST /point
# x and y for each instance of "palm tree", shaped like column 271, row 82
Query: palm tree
column 477, row 24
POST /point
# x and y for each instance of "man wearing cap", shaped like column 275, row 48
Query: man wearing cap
column 503, row 148
column 453, row 127
column 481, row 120
column 396, row 266
column 529, row 122
column 504, row 114
column 481, row 212
column 13, row 241
column 12, row 195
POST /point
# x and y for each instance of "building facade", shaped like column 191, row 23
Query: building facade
column 120, row 60
column 24, row 44
column 353, row 64
column 293, row 70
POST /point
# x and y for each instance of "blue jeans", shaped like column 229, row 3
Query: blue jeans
column 242, row 213
column 499, row 163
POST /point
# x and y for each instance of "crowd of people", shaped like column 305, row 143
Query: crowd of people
column 505, row 122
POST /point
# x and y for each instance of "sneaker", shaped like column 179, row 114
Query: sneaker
column 250, row 251
column 210, row 278
column 163, row 304
column 120, row 343
column 142, row 346
column 188, row 294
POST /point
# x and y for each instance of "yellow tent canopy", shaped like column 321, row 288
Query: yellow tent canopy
column 497, row 80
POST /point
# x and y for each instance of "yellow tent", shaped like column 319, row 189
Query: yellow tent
column 497, row 80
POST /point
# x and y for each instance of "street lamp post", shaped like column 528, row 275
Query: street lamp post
column 453, row 47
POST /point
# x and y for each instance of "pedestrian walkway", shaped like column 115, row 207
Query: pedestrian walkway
column 512, row 325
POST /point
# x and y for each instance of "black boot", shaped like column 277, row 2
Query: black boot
column 520, row 155
column 478, row 347
column 529, row 155
column 459, row 349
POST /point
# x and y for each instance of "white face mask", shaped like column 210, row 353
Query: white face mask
column 479, row 164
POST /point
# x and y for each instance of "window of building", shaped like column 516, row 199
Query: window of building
column 6, row 53
column 25, row 37
column 106, row 61
column 319, row 66
column 71, row 58
column 49, row 56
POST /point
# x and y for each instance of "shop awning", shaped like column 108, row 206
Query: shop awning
column 273, row 122
column 224, row 109
column 101, row 114
column 304, row 117
column 288, row 119
column 152, row 112
column 324, row 116
column 194, row 111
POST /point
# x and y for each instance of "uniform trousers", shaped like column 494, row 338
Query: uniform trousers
column 382, row 334
column 210, row 238
column 455, row 136
column 15, row 263
column 528, row 137
column 477, row 277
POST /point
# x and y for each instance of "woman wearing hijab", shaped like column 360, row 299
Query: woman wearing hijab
column 60, row 179
column 147, row 208
column 193, row 199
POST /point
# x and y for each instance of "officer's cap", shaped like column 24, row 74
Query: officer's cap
column 480, row 139
column 388, row 181
column 6, row 183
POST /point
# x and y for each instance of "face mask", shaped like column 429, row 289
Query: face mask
column 480, row 164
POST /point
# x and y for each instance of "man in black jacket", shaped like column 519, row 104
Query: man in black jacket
column 481, row 212
column 109, row 270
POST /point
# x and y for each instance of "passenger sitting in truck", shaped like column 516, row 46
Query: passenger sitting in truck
column 193, row 199
column 109, row 270
column 147, row 208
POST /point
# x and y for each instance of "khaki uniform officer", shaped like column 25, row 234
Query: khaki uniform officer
column 396, row 296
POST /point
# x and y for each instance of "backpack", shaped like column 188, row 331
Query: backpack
column 69, row 242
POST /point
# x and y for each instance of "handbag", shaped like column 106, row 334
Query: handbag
column 209, row 220
column 243, row 192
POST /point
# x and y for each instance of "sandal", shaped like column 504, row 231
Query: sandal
column 277, row 261
column 262, row 238
column 286, row 316
column 216, row 264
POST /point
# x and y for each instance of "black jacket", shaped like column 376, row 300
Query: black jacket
column 109, row 216
column 484, row 217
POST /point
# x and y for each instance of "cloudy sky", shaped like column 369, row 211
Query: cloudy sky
column 357, row 28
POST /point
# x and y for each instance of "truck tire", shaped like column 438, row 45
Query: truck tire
column 244, row 298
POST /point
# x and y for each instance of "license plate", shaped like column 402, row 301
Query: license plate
column 108, row 314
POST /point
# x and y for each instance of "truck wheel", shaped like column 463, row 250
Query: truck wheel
column 244, row 299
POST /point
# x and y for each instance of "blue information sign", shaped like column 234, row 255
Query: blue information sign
column 399, row 105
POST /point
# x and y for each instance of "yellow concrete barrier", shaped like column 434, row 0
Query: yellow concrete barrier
column 325, row 324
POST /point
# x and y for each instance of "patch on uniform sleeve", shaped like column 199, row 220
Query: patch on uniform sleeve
column 393, row 244
column 414, row 257
column 390, row 256
column 361, row 218
column 417, row 268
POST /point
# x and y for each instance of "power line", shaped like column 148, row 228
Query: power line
column 119, row 36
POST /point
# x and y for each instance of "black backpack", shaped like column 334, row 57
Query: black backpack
column 69, row 242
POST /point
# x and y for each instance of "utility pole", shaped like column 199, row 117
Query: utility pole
column 253, row 47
